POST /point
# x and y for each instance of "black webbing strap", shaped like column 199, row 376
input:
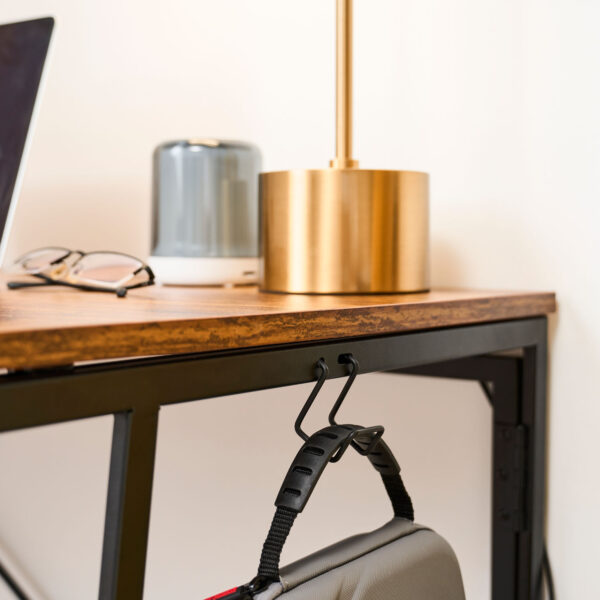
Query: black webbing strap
column 303, row 475
column 401, row 502
column 271, row 551
column 383, row 461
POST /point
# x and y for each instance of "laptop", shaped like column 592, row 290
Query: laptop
column 23, row 50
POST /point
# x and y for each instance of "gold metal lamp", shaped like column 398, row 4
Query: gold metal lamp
column 344, row 230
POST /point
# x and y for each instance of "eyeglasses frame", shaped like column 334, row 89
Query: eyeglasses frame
column 121, row 291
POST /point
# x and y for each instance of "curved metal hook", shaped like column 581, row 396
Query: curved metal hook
column 321, row 364
column 377, row 431
column 348, row 359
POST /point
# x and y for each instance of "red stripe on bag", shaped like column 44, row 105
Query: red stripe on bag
column 223, row 594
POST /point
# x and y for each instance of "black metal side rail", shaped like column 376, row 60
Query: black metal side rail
column 135, row 390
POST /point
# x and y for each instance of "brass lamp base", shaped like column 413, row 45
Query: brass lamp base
column 344, row 231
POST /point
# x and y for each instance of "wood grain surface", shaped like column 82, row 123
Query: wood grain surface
column 42, row 327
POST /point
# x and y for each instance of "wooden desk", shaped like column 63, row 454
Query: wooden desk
column 41, row 327
column 186, row 344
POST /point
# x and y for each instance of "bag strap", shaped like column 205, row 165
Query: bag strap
column 326, row 445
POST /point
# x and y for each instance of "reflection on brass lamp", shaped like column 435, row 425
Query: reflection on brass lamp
column 344, row 229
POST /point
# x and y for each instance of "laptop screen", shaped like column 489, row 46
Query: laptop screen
column 23, row 48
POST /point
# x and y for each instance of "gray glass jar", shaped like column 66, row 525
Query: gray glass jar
column 205, row 212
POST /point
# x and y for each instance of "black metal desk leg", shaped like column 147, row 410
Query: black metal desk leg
column 508, row 476
column 519, row 477
column 534, row 418
column 128, row 505
column 518, row 395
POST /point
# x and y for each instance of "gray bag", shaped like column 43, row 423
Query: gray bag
column 399, row 561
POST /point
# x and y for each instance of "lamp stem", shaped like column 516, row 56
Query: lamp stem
column 343, row 159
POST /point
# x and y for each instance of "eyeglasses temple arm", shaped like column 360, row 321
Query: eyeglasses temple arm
column 15, row 285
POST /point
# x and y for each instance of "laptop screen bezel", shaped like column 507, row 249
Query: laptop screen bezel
column 6, row 227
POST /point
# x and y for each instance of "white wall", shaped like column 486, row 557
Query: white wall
column 497, row 99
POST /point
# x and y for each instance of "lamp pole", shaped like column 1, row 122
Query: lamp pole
column 343, row 159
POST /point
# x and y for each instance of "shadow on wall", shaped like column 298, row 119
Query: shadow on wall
column 445, row 265
column 491, row 249
column 90, row 217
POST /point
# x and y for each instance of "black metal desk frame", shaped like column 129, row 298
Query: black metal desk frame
column 133, row 391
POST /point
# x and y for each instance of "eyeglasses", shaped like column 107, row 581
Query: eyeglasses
column 90, row 271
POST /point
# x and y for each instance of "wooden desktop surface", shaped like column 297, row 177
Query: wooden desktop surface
column 46, row 327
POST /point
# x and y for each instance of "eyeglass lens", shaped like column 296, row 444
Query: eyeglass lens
column 108, row 267
column 38, row 260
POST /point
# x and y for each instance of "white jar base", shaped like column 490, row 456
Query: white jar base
column 180, row 270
